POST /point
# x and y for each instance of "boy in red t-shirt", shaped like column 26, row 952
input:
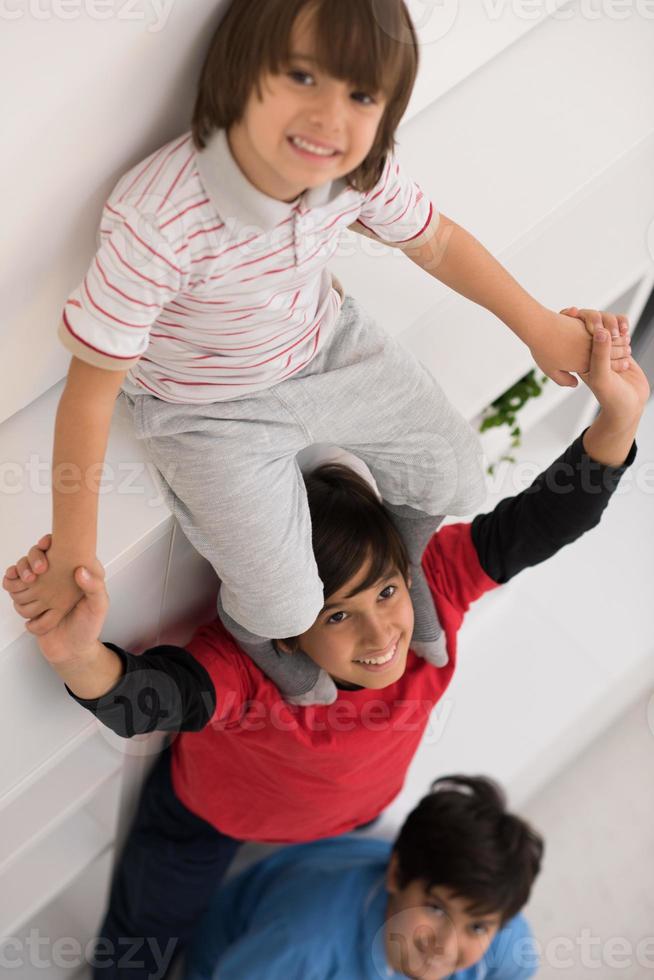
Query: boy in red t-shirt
column 250, row 766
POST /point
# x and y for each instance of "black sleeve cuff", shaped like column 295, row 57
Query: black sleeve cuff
column 562, row 503
column 164, row 689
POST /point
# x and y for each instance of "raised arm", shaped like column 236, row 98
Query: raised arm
column 569, row 497
column 163, row 689
column 559, row 342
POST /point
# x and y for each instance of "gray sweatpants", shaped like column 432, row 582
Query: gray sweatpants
column 231, row 477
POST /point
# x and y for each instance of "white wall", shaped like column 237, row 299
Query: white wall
column 88, row 99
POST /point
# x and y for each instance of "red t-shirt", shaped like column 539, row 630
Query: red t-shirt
column 265, row 770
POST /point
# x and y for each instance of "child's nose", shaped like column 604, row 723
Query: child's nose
column 446, row 945
column 377, row 634
column 328, row 113
column 451, row 946
column 440, row 942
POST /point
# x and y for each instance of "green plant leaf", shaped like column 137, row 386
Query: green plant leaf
column 505, row 408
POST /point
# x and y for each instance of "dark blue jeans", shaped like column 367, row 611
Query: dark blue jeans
column 171, row 864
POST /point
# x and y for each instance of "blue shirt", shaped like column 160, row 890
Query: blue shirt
column 317, row 912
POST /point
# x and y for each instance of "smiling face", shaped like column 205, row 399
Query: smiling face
column 303, row 101
column 430, row 932
column 362, row 637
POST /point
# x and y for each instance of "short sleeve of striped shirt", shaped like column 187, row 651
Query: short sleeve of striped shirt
column 396, row 211
column 106, row 321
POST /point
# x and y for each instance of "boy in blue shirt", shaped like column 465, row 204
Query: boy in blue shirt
column 443, row 901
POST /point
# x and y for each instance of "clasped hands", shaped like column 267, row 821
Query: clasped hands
column 561, row 343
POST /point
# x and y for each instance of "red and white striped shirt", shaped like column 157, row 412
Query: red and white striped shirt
column 206, row 289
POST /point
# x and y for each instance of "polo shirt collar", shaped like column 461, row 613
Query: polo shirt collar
column 237, row 200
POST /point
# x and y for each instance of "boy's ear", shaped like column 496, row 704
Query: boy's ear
column 281, row 646
column 392, row 884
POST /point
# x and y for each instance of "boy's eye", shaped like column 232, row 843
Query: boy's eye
column 341, row 616
column 437, row 910
column 293, row 74
column 304, row 74
column 479, row 928
column 365, row 96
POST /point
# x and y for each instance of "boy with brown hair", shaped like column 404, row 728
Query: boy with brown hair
column 210, row 302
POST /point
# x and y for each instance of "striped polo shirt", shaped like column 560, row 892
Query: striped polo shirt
column 206, row 289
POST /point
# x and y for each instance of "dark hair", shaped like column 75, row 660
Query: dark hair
column 350, row 527
column 370, row 43
column 461, row 837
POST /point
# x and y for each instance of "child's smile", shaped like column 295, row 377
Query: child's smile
column 381, row 661
column 309, row 148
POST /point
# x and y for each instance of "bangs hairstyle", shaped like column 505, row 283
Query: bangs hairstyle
column 371, row 44
column 460, row 837
column 350, row 527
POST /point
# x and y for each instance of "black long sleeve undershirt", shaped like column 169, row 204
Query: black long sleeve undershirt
column 166, row 689
column 564, row 501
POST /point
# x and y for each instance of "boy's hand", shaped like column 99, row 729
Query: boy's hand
column 564, row 343
column 73, row 640
column 622, row 395
column 48, row 588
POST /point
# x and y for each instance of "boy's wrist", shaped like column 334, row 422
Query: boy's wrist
column 610, row 437
column 616, row 424
column 69, row 541
column 70, row 553
column 532, row 323
column 93, row 673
